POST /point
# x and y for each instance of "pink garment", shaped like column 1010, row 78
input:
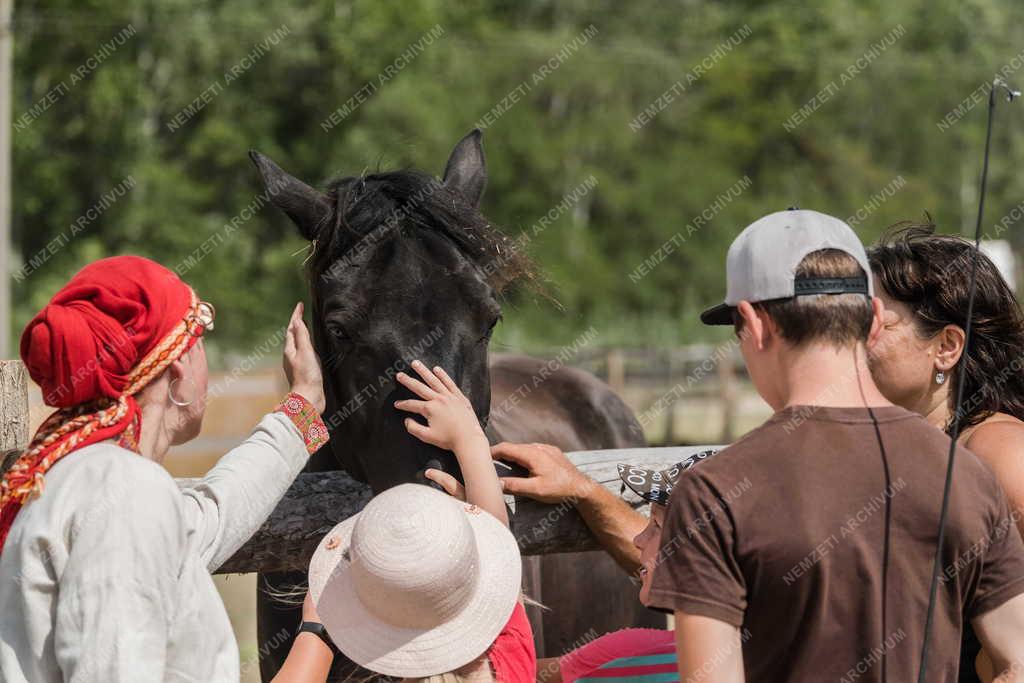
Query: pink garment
column 629, row 642
column 512, row 656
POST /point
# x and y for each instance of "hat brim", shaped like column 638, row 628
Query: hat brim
column 414, row 652
column 639, row 480
column 718, row 315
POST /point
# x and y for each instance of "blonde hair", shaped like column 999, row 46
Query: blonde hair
column 477, row 671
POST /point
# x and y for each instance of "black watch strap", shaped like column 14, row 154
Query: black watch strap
column 319, row 630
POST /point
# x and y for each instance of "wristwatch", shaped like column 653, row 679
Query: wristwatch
column 319, row 630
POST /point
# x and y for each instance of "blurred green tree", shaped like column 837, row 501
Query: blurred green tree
column 173, row 110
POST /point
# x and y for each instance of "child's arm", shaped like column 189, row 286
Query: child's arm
column 453, row 425
column 309, row 660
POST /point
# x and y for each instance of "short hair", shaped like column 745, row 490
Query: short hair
column 838, row 319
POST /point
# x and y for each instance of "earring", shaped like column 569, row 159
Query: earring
column 170, row 393
column 940, row 377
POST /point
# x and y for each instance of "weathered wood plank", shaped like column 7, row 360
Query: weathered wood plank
column 13, row 410
column 316, row 502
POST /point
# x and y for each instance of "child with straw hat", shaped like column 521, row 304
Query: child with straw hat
column 421, row 585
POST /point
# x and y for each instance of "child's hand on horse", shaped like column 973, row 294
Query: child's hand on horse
column 452, row 423
column 450, row 484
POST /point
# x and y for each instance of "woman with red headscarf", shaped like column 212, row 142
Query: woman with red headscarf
column 104, row 562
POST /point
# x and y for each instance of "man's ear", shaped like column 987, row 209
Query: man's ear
column 877, row 320
column 308, row 208
column 949, row 347
column 466, row 170
column 754, row 325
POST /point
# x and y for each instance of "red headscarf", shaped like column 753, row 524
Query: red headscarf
column 111, row 330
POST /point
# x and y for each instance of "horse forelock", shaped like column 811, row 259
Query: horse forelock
column 371, row 209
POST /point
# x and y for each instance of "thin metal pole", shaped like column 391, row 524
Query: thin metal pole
column 961, row 380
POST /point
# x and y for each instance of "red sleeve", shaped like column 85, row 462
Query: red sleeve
column 697, row 571
column 513, row 656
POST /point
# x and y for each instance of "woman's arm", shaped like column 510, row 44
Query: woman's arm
column 226, row 507
column 1000, row 443
column 453, row 425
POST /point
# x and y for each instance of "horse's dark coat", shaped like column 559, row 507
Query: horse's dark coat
column 406, row 267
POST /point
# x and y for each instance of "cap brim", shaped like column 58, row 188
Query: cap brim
column 412, row 652
column 650, row 485
column 718, row 315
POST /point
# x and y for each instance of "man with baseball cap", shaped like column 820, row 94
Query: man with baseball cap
column 804, row 551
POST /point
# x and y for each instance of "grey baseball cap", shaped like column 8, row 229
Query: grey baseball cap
column 762, row 261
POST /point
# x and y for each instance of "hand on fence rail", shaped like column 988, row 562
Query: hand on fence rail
column 553, row 478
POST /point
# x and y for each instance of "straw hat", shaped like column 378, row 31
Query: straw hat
column 417, row 584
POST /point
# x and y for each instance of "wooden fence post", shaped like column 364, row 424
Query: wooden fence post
column 727, row 388
column 670, row 413
column 13, row 410
column 616, row 370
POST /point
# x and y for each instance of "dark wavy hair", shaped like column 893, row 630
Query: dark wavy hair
column 931, row 274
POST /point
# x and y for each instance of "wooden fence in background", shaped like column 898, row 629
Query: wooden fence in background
column 649, row 375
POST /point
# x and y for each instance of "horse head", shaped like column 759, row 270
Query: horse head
column 403, row 266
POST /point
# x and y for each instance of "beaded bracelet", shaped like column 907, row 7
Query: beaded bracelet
column 306, row 419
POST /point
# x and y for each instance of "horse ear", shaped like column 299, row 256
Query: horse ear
column 466, row 171
column 308, row 208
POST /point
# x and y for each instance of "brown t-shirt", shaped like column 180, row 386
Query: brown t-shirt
column 783, row 535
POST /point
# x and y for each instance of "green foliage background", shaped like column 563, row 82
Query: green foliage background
column 191, row 181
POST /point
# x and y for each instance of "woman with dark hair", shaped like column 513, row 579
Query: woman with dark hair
column 924, row 281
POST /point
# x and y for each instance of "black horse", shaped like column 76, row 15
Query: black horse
column 403, row 267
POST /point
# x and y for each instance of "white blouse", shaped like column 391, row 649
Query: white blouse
column 106, row 576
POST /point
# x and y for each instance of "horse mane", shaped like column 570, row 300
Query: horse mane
column 395, row 204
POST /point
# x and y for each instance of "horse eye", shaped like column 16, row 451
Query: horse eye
column 337, row 332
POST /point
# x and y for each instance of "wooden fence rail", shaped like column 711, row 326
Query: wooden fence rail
column 316, row 502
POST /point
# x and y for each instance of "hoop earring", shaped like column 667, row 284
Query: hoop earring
column 170, row 393
column 940, row 377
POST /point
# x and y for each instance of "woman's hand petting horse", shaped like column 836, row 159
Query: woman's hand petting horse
column 301, row 366
column 453, row 425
